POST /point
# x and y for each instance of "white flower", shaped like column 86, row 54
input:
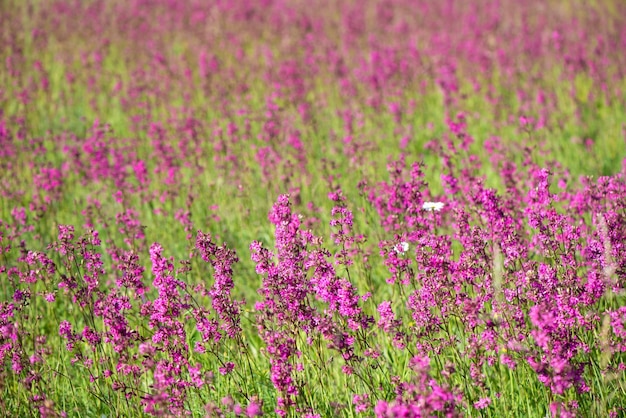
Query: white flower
column 401, row 248
column 430, row 206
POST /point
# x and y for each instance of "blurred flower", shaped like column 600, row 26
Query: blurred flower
column 482, row 403
column 432, row 206
column 401, row 248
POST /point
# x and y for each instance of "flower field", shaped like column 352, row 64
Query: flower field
column 359, row 208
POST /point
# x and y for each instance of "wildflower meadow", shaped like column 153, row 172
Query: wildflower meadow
column 352, row 208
